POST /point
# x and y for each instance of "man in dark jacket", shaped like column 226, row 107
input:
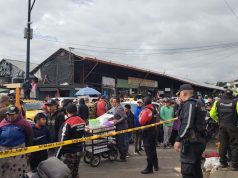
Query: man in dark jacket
column 72, row 128
column 226, row 111
column 27, row 89
column 83, row 110
column 130, row 122
column 191, row 136
column 55, row 119
column 147, row 117
column 120, row 122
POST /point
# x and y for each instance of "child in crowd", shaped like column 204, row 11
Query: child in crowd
column 41, row 136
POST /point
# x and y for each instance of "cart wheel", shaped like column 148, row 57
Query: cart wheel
column 105, row 155
column 95, row 160
column 87, row 158
column 113, row 154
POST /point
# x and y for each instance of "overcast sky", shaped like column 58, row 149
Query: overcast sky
column 143, row 33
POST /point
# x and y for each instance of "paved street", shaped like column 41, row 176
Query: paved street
column 168, row 161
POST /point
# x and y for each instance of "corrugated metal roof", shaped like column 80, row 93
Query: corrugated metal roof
column 103, row 61
column 200, row 84
column 21, row 64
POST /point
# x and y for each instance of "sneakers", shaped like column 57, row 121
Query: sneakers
column 137, row 153
column 128, row 155
column 141, row 149
column 224, row 166
column 147, row 171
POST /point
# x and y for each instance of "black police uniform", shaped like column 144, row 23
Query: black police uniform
column 192, row 137
column 226, row 109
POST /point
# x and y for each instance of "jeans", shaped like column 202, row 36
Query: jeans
column 138, row 140
column 122, row 145
column 167, row 134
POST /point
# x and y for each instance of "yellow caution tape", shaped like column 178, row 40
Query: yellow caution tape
column 25, row 150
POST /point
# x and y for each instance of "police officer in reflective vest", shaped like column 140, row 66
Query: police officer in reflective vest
column 225, row 112
column 147, row 117
column 191, row 140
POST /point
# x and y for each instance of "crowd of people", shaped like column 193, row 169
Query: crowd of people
column 66, row 121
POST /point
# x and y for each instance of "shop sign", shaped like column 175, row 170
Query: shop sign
column 107, row 81
column 133, row 81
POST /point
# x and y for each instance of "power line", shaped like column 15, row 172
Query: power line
column 140, row 52
column 217, row 45
column 230, row 8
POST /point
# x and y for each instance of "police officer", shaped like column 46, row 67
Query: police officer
column 191, row 140
column 147, row 117
column 225, row 112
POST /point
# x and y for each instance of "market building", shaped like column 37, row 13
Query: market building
column 66, row 71
column 12, row 71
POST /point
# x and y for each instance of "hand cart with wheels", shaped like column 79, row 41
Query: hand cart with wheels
column 103, row 147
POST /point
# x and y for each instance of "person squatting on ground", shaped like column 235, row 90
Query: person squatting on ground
column 15, row 132
column 147, row 117
column 225, row 112
column 191, row 140
column 72, row 128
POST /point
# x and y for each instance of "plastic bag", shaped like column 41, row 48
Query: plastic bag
column 212, row 164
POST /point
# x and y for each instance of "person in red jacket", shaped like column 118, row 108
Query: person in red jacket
column 101, row 107
column 147, row 117
column 72, row 128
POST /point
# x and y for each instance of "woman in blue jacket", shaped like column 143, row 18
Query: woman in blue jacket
column 15, row 132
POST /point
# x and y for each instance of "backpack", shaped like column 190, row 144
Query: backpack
column 51, row 168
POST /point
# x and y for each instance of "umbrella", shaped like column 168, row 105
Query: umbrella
column 87, row 91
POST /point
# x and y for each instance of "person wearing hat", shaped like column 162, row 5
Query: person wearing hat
column 138, row 133
column 72, row 128
column 191, row 140
column 149, row 116
column 41, row 136
column 225, row 112
column 15, row 132
column 55, row 118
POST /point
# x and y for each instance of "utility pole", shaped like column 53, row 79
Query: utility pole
column 28, row 35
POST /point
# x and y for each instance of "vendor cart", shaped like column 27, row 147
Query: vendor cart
column 103, row 147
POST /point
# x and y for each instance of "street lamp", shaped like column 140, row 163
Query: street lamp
column 28, row 35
